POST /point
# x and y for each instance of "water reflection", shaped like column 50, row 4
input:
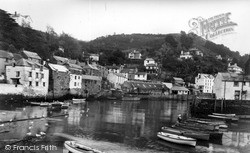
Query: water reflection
column 134, row 124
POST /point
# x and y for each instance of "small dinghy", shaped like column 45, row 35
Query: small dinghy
column 176, row 138
column 76, row 147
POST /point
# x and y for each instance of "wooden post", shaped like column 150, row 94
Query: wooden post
column 221, row 107
column 215, row 103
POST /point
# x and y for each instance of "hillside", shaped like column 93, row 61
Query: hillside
column 164, row 48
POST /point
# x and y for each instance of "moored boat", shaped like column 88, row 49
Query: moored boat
column 78, row 101
column 187, row 133
column 216, row 123
column 213, row 134
column 177, row 138
column 44, row 104
column 226, row 115
column 226, row 118
column 35, row 103
column 132, row 98
column 65, row 105
column 76, row 147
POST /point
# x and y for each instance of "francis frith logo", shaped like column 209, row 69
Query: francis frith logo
column 212, row 27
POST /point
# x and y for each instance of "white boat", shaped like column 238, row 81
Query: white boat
column 226, row 115
column 65, row 105
column 176, row 138
column 78, row 101
column 44, row 104
column 76, row 147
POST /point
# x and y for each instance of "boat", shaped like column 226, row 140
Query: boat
column 177, row 138
column 78, row 101
column 44, row 104
column 200, row 125
column 131, row 98
column 65, row 105
column 111, row 98
column 213, row 134
column 35, row 103
column 76, row 147
column 187, row 133
column 226, row 115
column 226, row 118
column 217, row 123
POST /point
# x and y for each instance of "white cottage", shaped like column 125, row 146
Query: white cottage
column 232, row 86
column 33, row 76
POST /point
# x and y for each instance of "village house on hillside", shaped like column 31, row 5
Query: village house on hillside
column 116, row 79
column 204, row 82
column 234, row 68
column 134, row 55
column 186, row 55
column 33, row 76
column 232, row 86
column 150, row 65
column 196, row 51
column 6, row 58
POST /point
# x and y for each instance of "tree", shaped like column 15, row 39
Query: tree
column 186, row 41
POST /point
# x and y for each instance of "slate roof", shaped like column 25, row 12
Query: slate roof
column 5, row 54
column 56, row 67
column 31, row 54
column 179, row 88
column 28, row 63
column 146, row 85
column 61, row 59
column 234, row 77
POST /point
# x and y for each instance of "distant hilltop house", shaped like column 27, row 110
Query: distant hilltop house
column 232, row 86
column 234, row 68
column 186, row 55
column 218, row 57
column 196, row 51
column 134, row 55
column 190, row 53
column 94, row 58
column 114, row 68
column 204, row 82
column 151, row 65
column 22, row 20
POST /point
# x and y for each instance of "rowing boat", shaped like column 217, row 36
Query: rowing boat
column 177, row 138
column 187, row 133
column 76, row 147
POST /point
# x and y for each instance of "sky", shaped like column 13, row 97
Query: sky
column 89, row 19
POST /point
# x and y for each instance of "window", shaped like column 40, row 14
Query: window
column 30, row 83
column 30, row 74
column 17, row 73
column 6, row 60
column 37, row 74
column 42, row 75
column 44, row 84
column 244, row 83
column 74, row 83
column 236, row 84
column 79, row 77
column 237, row 94
column 37, row 83
column 75, row 78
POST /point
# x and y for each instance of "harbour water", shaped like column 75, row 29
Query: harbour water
column 110, row 126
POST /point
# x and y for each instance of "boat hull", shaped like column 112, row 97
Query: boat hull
column 75, row 147
column 187, row 133
column 176, row 139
